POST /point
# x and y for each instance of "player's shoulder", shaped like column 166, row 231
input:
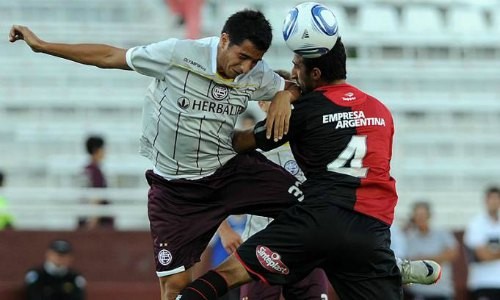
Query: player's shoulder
column 203, row 42
column 310, row 101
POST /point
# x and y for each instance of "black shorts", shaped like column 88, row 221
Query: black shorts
column 353, row 249
column 313, row 286
column 184, row 214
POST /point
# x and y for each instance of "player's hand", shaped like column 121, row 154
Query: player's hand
column 18, row 32
column 229, row 238
column 278, row 115
column 231, row 241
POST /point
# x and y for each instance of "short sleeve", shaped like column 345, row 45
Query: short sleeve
column 270, row 85
column 261, row 140
column 153, row 59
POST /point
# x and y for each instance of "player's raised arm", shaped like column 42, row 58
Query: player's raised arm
column 99, row 55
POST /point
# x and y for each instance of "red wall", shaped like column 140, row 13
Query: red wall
column 117, row 265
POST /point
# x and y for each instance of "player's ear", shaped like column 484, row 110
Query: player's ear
column 224, row 40
column 316, row 74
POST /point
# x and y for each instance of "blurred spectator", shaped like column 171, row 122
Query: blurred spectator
column 398, row 241
column 425, row 242
column 6, row 219
column 189, row 13
column 55, row 280
column 482, row 238
column 96, row 150
column 94, row 178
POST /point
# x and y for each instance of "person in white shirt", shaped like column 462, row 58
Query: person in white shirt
column 482, row 239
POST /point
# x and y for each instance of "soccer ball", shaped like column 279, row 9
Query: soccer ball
column 310, row 29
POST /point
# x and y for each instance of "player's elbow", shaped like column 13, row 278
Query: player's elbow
column 115, row 58
column 243, row 141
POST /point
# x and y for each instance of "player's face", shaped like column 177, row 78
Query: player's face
column 421, row 217
column 233, row 60
column 300, row 75
column 493, row 203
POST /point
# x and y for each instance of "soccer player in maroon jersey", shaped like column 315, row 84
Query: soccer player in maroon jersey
column 341, row 138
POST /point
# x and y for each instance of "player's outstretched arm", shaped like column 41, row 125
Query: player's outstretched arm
column 99, row 55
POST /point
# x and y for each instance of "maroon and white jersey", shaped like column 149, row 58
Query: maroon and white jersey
column 342, row 138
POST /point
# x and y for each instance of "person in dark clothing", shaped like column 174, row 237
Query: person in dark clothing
column 95, row 178
column 93, row 172
column 55, row 280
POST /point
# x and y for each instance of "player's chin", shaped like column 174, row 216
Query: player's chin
column 233, row 73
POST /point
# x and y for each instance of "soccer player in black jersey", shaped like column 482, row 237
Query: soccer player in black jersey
column 341, row 138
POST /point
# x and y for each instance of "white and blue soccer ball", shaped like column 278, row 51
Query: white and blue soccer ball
column 310, row 29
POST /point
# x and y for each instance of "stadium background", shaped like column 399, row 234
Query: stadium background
column 435, row 63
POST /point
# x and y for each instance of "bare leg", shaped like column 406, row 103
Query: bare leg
column 214, row 284
column 172, row 285
column 233, row 272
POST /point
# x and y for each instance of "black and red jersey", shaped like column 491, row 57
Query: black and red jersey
column 342, row 138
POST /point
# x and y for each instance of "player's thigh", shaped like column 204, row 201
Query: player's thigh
column 260, row 187
column 283, row 253
column 361, row 264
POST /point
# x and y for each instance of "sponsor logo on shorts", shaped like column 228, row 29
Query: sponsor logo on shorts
column 165, row 257
column 220, row 92
column 270, row 260
column 292, row 167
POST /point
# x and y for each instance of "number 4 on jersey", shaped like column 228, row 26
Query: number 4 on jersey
column 350, row 161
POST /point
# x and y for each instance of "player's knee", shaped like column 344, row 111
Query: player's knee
column 233, row 272
column 172, row 285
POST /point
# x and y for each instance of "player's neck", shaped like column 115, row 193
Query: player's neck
column 334, row 82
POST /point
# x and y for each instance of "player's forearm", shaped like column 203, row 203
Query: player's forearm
column 99, row 55
column 293, row 89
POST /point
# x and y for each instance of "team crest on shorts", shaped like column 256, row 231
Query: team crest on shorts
column 220, row 92
column 292, row 167
column 164, row 257
column 270, row 260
